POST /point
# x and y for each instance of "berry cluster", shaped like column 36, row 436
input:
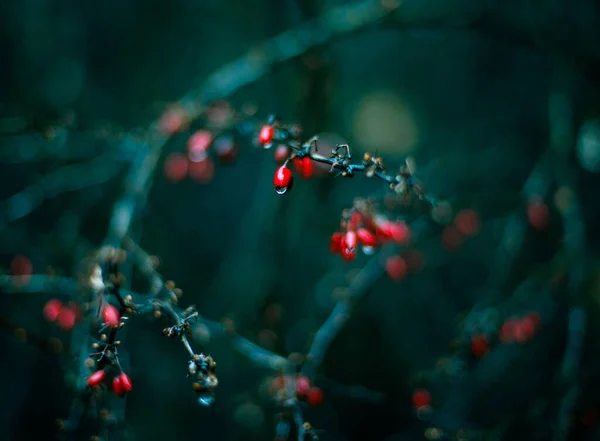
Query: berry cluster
column 363, row 227
column 121, row 383
column 65, row 316
column 301, row 386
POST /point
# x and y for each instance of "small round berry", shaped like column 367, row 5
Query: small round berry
column 265, row 137
column 314, row 397
column 96, row 378
column 283, row 180
column 467, row 222
column 480, row 345
column 365, row 237
column 302, row 386
column 304, row 167
column 111, row 316
column 202, row 171
column 117, row 387
column 537, row 213
column 396, row 267
column 421, row 398
column 67, row 318
column 198, row 145
column 176, row 167
column 348, row 254
column 52, row 310
column 349, row 240
column 335, row 243
column 281, row 153
column 125, row 382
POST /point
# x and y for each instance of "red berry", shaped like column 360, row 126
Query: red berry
column 335, row 243
column 302, row 386
column 117, row 387
column 467, row 222
column 111, row 316
column 480, row 346
column 355, row 220
column 173, row 120
column 348, row 254
column 349, row 241
column 202, row 171
column 396, row 267
column 304, row 167
column 396, row 231
column 226, row 149
column 198, row 144
column 265, row 136
column 509, row 331
column 365, row 237
column 96, row 378
column 176, row 167
column 67, row 318
column 281, row 153
column 452, row 239
column 537, row 213
column 125, row 382
column 314, row 397
column 421, row 398
column 52, row 310
column 283, row 179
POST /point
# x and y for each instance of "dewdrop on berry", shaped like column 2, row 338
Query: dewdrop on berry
column 283, row 180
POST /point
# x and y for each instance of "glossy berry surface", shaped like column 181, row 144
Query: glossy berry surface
column 283, row 179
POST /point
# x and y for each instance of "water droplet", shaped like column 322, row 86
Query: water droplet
column 206, row 399
column 280, row 190
column 368, row 250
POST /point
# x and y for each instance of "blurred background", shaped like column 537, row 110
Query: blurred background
column 497, row 102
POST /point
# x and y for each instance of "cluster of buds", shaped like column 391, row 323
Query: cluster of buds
column 369, row 231
column 301, row 386
column 205, row 369
column 121, row 383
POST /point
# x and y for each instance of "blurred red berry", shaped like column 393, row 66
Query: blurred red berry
column 67, row 319
column 265, row 137
column 314, row 397
column 480, row 345
column 117, row 387
column 355, row 220
column 395, row 267
column 202, row 171
column 21, row 269
column 509, row 330
column 421, row 398
column 226, row 149
column 52, row 310
column 335, row 243
column 125, row 382
column 111, row 316
column 365, row 237
column 96, row 378
column 452, row 239
column 176, row 167
column 397, row 231
column 348, row 255
column 173, row 120
column 302, row 386
column 281, row 153
column 198, row 145
column 283, row 180
column 349, row 240
column 467, row 222
column 304, row 167
column 537, row 213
